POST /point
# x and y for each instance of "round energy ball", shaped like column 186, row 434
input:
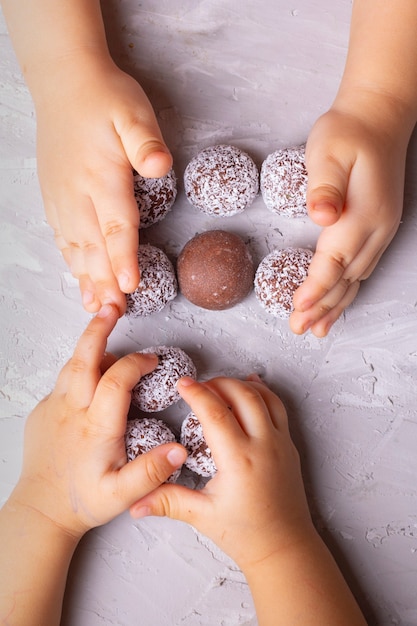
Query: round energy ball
column 283, row 182
column 157, row 391
column 221, row 180
column 144, row 434
column 158, row 283
column 199, row 458
column 278, row 276
column 154, row 197
column 215, row 270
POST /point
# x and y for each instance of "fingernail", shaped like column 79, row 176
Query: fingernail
column 88, row 297
column 105, row 310
column 325, row 206
column 143, row 511
column 176, row 457
column 254, row 378
column 185, row 381
column 124, row 280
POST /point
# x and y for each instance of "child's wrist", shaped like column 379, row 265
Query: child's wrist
column 387, row 112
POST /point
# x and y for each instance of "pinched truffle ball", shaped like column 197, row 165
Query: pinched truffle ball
column 284, row 182
column 199, row 458
column 157, row 391
column 278, row 276
column 154, row 197
column 215, row 270
column 158, row 283
column 144, row 434
column 221, row 180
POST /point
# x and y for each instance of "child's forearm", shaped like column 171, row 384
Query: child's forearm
column 303, row 586
column 47, row 33
column 34, row 558
column 380, row 72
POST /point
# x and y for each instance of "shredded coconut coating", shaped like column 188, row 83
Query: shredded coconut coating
column 278, row 276
column 221, row 180
column 284, row 182
column 144, row 434
column 154, row 197
column 157, row 391
column 158, row 283
column 199, row 458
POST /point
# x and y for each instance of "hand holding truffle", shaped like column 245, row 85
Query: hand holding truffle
column 355, row 158
column 75, row 475
column 255, row 507
column 94, row 125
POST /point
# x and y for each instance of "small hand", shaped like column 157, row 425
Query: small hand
column 91, row 133
column 355, row 190
column 255, row 504
column 75, row 470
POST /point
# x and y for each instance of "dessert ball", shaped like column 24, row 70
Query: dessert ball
column 284, row 182
column 154, row 197
column 158, row 283
column 221, row 180
column 157, row 391
column 144, row 434
column 199, row 458
column 278, row 276
column 215, row 270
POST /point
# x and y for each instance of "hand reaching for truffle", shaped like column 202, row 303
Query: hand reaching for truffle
column 90, row 135
column 355, row 190
column 255, row 507
column 95, row 124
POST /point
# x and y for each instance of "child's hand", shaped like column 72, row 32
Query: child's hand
column 94, row 125
column 75, row 470
column 255, row 504
column 355, row 190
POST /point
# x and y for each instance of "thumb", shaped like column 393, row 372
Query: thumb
column 145, row 148
column 174, row 501
column 326, row 188
column 148, row 471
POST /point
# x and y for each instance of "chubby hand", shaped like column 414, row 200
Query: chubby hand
column 255, row 504
column 75, row 470
column 92, row 131
column 355, row 190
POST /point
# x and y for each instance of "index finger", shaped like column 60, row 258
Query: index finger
column 79, row 377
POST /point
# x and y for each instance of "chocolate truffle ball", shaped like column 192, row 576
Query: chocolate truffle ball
column 278, row 276
column 144, row 434
column 284, row 182
column 157, row 391
column 199, row 458
column 221, row 180
column 154, row 197
column 215, row 270
column 158, row 283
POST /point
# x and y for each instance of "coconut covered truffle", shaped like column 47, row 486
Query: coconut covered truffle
column 215, row 270
column 221, row 180
column 283, row 182
column 157, row 391
column 144, row 434
column 199, row 458
column 154, row 197
column 278, row 276
column 158, row 283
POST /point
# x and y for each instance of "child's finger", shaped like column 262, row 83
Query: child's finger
column 221, row 429
column 144, row 145
column 250, row 403
column 148, row 471
column 118, row 216
column 327, row 186
column 111, row 402
column 174, row 501
column 79, row 377
column 276, row 408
